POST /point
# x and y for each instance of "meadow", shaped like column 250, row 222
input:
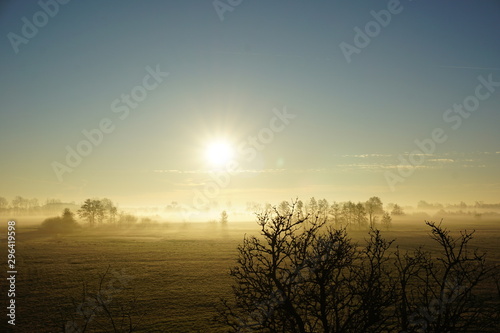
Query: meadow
column 167, row 279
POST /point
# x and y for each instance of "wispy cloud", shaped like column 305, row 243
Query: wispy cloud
column 470, row 67
column 382, row 162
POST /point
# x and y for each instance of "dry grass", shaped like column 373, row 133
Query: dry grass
column 177, row 272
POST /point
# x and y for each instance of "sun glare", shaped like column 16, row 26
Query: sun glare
column 219, row 153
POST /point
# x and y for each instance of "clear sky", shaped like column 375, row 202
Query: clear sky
column 315, row 107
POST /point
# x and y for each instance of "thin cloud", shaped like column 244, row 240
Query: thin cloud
column 475, row 68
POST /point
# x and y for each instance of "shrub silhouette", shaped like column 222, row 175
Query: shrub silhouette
column 60, row 224
column 302, row 275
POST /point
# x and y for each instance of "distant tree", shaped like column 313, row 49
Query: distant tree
column 127, row 220
column 313, row 204
column 65, row 223
column 360, row 215
column 173, row 207
column 92, row 211
column 299, row 207
column 348, row 213
column 223, row 217
column 110, row 211
column 397, row 210
column 252, row 206
column 147, row 222
column 68, row 215
column 33, row 204
column 424, row 205
column 20, row 204
column 52, row 201
column 284, row 207
column 373, row 207
column 386, row 221
column 113, row 213
column 336, row 213
column 267, row 207
column 4, row 204
column 323, row 207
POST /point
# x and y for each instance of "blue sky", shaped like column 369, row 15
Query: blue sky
column 225, row 78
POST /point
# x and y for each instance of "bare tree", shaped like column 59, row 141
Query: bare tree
column 348, row 213
column 92, row 211
column 308, row 277
column 4, row 204
column 312, row 206
column 302, row 275
column 397, row 210
column 19, row 204
column 110, row 211
column 373, row 207
column 336, row 213
column 386, row 221
column 442, row 294
column 360, row 215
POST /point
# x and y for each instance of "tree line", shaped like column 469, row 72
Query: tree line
column 93, row 213
column 20, row 205
column 366, row 214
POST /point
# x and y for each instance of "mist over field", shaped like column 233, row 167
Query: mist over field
column 103, row 269
column 249, row 166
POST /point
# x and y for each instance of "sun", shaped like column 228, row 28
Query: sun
column 218, row 153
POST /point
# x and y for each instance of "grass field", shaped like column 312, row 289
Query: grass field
column 177, row 272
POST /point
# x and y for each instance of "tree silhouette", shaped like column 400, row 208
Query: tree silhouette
column 92, row 211
column 302, row 275
column 336, row 213
column 360, row 215
column 308, row 277
column 60, row 224
column 110, row 210
column 386, row 221
column 4, row 204
column 373, row 207
column 397, row 210
column 223, row 217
